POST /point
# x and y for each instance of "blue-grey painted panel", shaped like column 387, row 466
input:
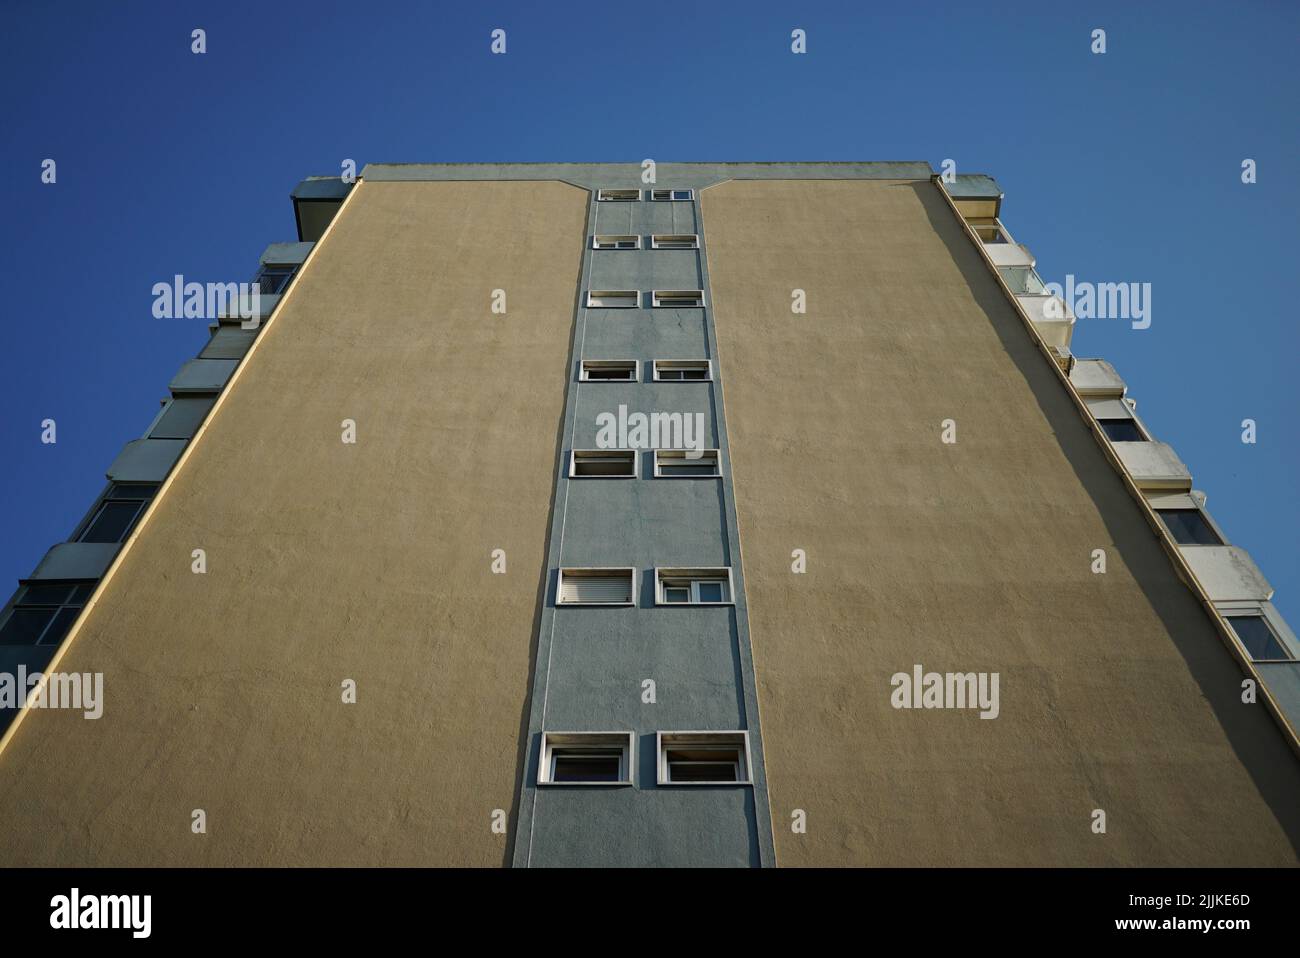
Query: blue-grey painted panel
column 146, row 460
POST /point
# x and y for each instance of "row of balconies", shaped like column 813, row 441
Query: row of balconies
column 1226, row 573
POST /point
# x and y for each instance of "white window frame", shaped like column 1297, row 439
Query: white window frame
column 578, row 571
column 737, row 739
column 694, row 577
column 616, row 241
column 587, row 365
column 1265, row 610
column 618, row 196
column 595, row 294
column 706, row 364
column 658, row 240
column 670, row 196
column 683, row 455
column 580, row 741
column 626, row 455
column 697, row 293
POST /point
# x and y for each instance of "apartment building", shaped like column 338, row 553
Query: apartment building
column 551, row 517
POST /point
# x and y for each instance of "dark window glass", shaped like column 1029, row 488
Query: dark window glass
column 25, row 626
column 1258, row 638
column 112, row 522
column 273, row 279
column 63, row 620
column 587, row 767
column 1121, row 430
column 1189, row 528
column 46, row 594
column 702, row 765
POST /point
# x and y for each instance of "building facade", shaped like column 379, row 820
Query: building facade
column 546, row 516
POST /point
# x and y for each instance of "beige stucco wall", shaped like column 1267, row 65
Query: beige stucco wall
column 329, row 561
column 1116, row 693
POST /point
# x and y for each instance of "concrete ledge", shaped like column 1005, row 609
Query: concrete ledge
column 286, row 254
column 146, row 460
column 202, row 376
column 76, row 560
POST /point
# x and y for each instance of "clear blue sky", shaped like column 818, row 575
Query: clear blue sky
column 1120, row 167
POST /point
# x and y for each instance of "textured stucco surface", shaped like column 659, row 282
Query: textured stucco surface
column 329, row 561
column 1116, row 693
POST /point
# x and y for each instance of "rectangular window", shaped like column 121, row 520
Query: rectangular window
column 602, row 464
column 679, row 298
column 1121, row 430
column 1189, row 527
column 693, row 586
column 675, row 241
column 682, row 370
column 611, row 241
column 703, row 758
column 608, row 371
column 116, row 513
column 272, row 280
column 43, row 612
column 596, row 586
column 618, row 196
column 1258, row 638
column 672, row 195
column 686, row 463
column 612, row 298
column 586, row 758
column 1023, row 280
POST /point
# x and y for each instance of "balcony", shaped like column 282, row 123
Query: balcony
column 1096, row 379
column 1228, row 573
column 1154, row 466
column 1051, row 316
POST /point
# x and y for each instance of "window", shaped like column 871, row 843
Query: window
column 116, row 513
column 612, row 298
column 988, row 229
column 686, row 463
column 1121, row 430
column 675, row 241
column 273, row 279
column 1258, row 638
column 1023, row 280
column 672, row 195
column 683, row 370
column 1189, row 527
column 586, row 758
column 602, row 463
column 596, row 586
column 618, row 196
column 679, row 298
column 693, row 586
column 43, row 612
column 607, row 371
column 703, row 758
column 610, row 241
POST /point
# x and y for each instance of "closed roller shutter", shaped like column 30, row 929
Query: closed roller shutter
column 582, row 587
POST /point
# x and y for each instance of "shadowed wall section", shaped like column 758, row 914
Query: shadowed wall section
column 329, row 562
column 1116, row 692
